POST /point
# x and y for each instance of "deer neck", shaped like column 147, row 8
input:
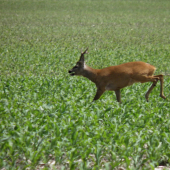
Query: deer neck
column 90, row 73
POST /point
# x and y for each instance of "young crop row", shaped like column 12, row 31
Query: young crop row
column 47, row 118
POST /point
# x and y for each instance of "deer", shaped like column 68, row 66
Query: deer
column 114, row 78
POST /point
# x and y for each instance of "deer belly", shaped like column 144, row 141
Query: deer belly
column 110, row 87
column 131, row 81
column 120, row 85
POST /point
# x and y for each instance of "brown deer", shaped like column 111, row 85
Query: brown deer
column 114, row 78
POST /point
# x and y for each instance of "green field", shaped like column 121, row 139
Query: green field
column 48, row 116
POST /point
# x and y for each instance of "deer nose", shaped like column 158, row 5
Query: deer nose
column 69, row 71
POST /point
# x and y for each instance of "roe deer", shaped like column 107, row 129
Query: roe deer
column 114, row 78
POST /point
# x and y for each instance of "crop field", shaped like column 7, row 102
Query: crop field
column 47, row 117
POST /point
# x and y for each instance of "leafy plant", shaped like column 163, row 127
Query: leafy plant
column 46, row 115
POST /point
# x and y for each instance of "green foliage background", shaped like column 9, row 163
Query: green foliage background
column 47, row 115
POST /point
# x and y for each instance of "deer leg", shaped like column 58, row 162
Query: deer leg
column 161, row 85
column 150, row 89
column 118, row 97
column 144, row 79
column 98, row 94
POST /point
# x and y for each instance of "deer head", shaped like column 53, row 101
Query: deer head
column 79, row 67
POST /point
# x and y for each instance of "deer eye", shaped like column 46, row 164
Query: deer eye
column 76, row 67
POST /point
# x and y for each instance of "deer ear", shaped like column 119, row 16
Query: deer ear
column 82, row 58
column 82, row 55
column 85, row 52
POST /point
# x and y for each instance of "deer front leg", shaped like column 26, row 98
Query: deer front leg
column 98, row 93
column 118, row 97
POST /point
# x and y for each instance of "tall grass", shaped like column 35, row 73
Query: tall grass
column 46, row 115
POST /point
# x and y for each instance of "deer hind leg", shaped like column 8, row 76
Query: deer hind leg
column 150, row 89
column 98, row 93
column 144, row 79
column 158, row 77
column 161, row 85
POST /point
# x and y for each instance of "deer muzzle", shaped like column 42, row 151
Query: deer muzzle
column 71, row 73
